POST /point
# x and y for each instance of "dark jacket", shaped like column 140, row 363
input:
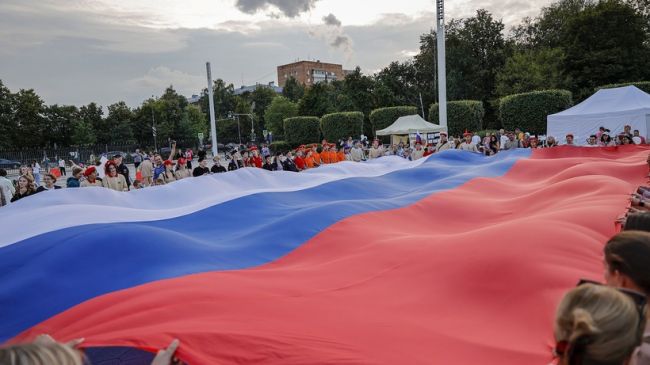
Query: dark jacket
column 217, row 168
column 289, row 165
column 124, row 171
column 72, row 182
column 42, row 188
column 200, row 171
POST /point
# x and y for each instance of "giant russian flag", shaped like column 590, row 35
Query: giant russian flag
column 453, row 259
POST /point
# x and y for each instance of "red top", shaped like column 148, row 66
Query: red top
column 300, row 163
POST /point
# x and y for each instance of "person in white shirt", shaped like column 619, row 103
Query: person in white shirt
column 418, row 152
column 502, row 139
column 36, row 171
column 7, row 188
column 467, row 144
column 357, row 153
column 62, row 166
column 476, row 139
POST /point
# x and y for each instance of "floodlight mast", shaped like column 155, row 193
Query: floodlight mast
column 442, row 73
column 213, row 123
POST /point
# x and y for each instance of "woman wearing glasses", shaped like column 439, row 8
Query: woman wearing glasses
column 627, row 265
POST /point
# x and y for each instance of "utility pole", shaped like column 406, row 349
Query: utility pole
column 422, row 106
column 213, row 123
column 442, row 71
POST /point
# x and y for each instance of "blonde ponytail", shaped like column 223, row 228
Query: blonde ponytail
column 599, row 323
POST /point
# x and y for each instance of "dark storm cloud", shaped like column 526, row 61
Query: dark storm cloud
column 290, row 8
column 332, row 20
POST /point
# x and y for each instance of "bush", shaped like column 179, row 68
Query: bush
column 338, row 126
column 279, row 146
column 383, row 117
column 528, row 111
column 461, row 115
column 301, row 130
column 643, row 85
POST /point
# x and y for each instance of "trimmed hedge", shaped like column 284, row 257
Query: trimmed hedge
column 301, row 130
column 279, row 146
column 383, row 117
column 461, row 115
column 528, row 111
column 336, row 126
column 643, row 85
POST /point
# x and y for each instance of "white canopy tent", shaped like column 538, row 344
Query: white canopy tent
column 411, row 125
column 609, row 108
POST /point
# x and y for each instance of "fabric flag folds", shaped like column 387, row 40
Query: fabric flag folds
column 457, row 258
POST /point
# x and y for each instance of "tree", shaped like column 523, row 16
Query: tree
column 530, row 70
column 92, row 114
column 293, row 90
column 280, row 109
column 8, row 127
column 119, row 118
column 606, row 43
column 396, row 85
column 82, row 133
column 318, row 101
column 224, row 99
column 59, row 124
column 261, row 97
column 28, row 119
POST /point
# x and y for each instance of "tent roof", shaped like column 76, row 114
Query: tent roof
column 409, row 124
column 620, row 100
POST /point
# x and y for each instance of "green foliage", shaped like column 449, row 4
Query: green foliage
column 8, row 128
column 293, row 90
column 643, row 85
column 531, row 70
column 528, row 111
column 461, row 115
column 82, row 133
column 227, row 131
column 59, row 123
column 92, row 114
column 383, row 117
column 280, row 146
column 28, row 118
column 319, row 100
column 119, row 118
column 338, row 126
column 301, row 130
column 605, row 43
column 280, row 109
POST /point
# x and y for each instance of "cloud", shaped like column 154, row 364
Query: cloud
column 290, row 8
column 332, row 20
column 158, row 78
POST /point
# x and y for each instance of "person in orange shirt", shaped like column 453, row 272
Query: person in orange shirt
column 325, row 154
column 309, row 160
column 341, row 154
column 315, row 156
column 334, row 156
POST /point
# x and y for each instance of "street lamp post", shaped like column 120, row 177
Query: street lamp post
column 442, row 73
column 231, row 114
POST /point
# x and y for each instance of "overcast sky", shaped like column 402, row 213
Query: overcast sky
column 78, row 51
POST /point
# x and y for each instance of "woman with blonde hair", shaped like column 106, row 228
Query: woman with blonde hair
column 40, row 354
column 25, row 188
column 596, row 324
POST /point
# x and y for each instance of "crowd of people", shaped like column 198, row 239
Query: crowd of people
column 152, row 169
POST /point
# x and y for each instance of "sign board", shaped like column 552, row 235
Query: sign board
column 201, row 136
